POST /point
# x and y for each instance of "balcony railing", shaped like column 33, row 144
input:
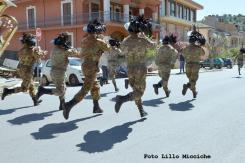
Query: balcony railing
column 79, row 19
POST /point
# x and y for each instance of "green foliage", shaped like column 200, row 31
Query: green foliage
column 229, row 53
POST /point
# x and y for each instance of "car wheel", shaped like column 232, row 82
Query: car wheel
column 73, row 81
column 44, row 81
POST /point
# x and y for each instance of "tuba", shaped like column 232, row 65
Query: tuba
column 8, row 25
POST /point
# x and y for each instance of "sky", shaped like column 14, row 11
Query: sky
column 220, row 7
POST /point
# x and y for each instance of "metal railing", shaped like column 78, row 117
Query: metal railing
column 78, row 19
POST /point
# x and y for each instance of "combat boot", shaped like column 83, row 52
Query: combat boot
column 41, row 91
column 141, row 110
column 194, row 94
column 97, row 108
column 156, row 86
column 62, row 104
column 120, row 100
column 36, row 102
column 67, row 108
column 126, row 83
column 7, row 92
column 167, row 92
column 185, row 87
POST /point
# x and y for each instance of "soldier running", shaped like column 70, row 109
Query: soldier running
column 193, row 53
column 59, row 60
column 135, row 47
column 28, row 55
column 166, row 56
column 92, row 49
column 239, row 59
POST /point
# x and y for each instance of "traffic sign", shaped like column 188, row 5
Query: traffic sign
column 38, row 34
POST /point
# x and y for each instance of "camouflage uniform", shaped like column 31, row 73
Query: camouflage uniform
column 92, row 49
column 166, row 56
column 135, row 50
column 113, row 63
column 59, row 60
column 239, row 58
column 192, row 54
column 27, row 58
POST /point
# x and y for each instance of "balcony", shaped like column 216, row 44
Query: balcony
column 78, row 20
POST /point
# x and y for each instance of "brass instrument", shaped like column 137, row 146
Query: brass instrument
column 8, row 25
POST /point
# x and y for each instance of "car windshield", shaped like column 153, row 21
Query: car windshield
column 75, row 62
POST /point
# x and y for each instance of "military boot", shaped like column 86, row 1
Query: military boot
column 185, row 87
column 194, row 94
column 36, row 102
column 126, row 83
column 67, row 108
column 7, row 92
column 167, row 92
column 141, row 110
column 41, row 91
column 97, row 108
column 120, row 100
column 62, row 104
column 156, row 86
column 115, row 85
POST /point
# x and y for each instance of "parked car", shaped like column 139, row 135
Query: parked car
column 74, row 73
column 227, row 62
column 218, row 63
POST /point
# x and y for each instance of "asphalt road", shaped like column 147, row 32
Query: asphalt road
column 211, row 125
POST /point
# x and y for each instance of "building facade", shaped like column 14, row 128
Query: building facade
column 178, row 16
column 55, row 16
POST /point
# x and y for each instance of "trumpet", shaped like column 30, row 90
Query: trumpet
column 8, row 25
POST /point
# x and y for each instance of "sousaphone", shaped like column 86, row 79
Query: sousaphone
column 8, row 25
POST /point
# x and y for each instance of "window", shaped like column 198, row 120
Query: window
column 192, row 16
column 94, row 10
column 172, row 8
column 75, row 62
column 184, row 13
column 49, row 64
column 66, row 12
column 181, row 11
column 162, row 8
column 31, row 16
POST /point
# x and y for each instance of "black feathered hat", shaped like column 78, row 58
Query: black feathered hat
column 29, row 39
column 114, row 42
column 196, row 37
column 139, row 24
column 95, row 27
column 62, row 40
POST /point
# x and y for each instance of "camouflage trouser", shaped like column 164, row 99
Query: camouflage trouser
column 112, row 70
column 90, row 83
column 137, row 80
column 27, row 81
column 164, row 73
column 58, row 78
column 192, row 71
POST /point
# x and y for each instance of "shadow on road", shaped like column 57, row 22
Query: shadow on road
column 96, row 141
column 48, row 131
column 154, row 102
column 237, row 77
column 101, row 95
column 9, row 111
column 31, row 118
column 182, row 106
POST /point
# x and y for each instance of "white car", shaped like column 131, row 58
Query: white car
column 74, row 73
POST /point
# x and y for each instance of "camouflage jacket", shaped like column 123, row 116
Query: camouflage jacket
column 193, row 53
column 166, row 55
column 29, row 56
column 239, row 57
column 92, row 49
column 59, row 57
column 114, row 55
column 135, row 48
